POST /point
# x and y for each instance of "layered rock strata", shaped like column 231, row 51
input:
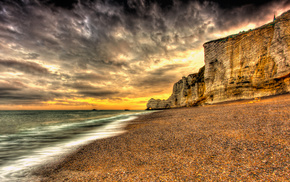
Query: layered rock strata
column 252, row 64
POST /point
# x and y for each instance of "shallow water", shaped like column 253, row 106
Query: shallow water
column 30, row 138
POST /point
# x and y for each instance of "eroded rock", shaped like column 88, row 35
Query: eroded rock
column 247, row 65
column 250, row 64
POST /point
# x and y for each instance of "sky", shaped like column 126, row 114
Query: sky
column 111, row 54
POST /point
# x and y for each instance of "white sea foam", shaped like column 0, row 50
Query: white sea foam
column 19, row 169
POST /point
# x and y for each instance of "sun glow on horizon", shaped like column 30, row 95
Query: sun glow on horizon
column 100, row 55
column 87, row 104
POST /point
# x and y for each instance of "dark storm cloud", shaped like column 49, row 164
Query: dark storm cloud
column 98, row 94
column 158, row 78
column 88, row 90
column 67, row 4
column 246, row 11
column 27, row 67
column 82, row 86
column 88, row 31
column 151, row 82
column 24, row 96
column 10, row 86
column 101, row 48
column 31, row 56
column 21, row 96
column 227, row 4
column 91, row 77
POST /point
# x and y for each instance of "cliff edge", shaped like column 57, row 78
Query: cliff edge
column 252, row 64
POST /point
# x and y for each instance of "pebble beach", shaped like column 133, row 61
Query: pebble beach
column 246, row 140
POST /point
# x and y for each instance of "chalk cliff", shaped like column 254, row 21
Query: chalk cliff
column 252, row 64
column 186, row 92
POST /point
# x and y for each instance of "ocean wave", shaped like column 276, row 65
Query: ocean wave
column 21, row 152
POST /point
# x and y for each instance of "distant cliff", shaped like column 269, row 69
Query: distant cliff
column 252, row 64
column 186, row 92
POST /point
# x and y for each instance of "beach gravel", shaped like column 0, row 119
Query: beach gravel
column 235, row 141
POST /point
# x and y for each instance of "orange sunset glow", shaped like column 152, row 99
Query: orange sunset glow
column 110, row 56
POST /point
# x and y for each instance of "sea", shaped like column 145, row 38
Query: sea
column 29, row 139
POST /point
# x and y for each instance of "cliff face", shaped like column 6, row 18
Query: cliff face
column 186, row 92
column 247, row 65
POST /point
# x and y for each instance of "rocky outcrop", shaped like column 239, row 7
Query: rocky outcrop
column 186, row 92
column 242, row 66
